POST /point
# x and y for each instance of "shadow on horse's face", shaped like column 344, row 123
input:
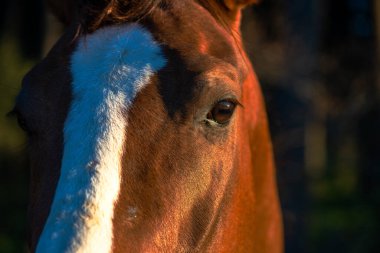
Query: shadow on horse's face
column 138, row 141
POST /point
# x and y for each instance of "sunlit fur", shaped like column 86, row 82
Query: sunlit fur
column 108, row 68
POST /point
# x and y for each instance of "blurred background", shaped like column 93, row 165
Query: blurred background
column 318, row 64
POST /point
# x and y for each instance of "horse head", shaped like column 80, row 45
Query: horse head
column 148, row 133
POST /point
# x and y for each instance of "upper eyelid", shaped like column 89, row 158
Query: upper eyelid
column 232, row 98
column 238, row 103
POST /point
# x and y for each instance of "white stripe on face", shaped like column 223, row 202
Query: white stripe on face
column 108, row 68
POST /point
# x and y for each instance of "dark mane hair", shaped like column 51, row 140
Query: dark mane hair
column 93, row 14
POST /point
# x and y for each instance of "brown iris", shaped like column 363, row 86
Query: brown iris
column 222, row 111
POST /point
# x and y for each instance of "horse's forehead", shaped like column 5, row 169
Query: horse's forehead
column 109, row 68
column 118, row 55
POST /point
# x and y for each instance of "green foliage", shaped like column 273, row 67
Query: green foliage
column 14, row 174
column 12, row 69
column 341, row 220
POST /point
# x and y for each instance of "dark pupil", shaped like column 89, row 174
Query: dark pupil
column 222, row 111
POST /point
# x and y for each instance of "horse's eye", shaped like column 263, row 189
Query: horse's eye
column 222, row 111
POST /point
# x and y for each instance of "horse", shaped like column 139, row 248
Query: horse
column 147, row 132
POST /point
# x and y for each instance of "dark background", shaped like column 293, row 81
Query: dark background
column 318, row 64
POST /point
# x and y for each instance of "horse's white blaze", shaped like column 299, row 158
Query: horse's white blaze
column 108, row 68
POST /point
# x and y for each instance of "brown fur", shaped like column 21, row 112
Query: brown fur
column 192, row 187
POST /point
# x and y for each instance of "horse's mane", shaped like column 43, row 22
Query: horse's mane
column 97, row 13
column 93, row 14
